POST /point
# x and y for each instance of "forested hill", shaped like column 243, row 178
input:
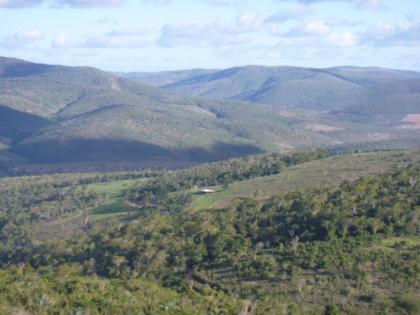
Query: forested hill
column 57, row 114
column 348, row 89
column 311, row 234
column 57, row 118
column 162, row 78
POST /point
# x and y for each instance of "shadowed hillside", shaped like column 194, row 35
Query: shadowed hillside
column 15, row 125
column 78, row 150
column 57, row 114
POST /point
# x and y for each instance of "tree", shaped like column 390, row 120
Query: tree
column 332, row 309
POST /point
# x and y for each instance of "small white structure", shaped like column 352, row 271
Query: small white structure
column 207, row 191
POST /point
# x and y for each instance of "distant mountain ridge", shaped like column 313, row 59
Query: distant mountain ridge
column 163, row 78
column 56, row 114
column 82, row 114
column 348, row 89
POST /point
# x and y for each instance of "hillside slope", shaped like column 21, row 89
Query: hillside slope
column 56, row 114
column 162, row 78
column 326, row 172
column 130, row 242
column 83, row 114
column 90, row 115
column 358, row 90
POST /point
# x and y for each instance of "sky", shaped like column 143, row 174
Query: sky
column 156, row 35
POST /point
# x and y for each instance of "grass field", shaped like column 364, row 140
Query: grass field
column 112, row 208
column 321, row 173
column 113, row 193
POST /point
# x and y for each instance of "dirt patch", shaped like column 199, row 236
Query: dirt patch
column 201, row 111
column 321, row 128
column 378, row 136
column 411, row 121
column 289, row 114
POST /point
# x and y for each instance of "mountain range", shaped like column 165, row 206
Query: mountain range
column 56, row 116
column 347, row 89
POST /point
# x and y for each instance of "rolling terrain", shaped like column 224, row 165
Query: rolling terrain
column 320, row 173
column 78, row 114
column 348, row 89
column 382, row 97
column 271, row 166
column 105, row 195
column 297, row 233
column 57, row 118
column 162, row 78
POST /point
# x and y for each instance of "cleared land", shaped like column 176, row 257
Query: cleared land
column 322, row 173
column 113, row 194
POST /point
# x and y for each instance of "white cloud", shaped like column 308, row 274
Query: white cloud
column 61, row 41
column 345, row 39
column 316, row 28
column 310, row 28
column 198, row 34
column 370, row 4
column 126, row 32
column 21, row 39
column 19, row 3
column 158, row 2
column 114, row 42
column 30, row 35
column 60, row 3
column 249, row 21
column 360, row 4
column 87, row 3
column 225, row 3
column 295, row 12
column 115, row 39
column 402, row 33
column 324, row 32
column 216, row 33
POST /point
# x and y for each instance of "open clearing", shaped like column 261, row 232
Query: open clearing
column 114, row 196
column 321, row 173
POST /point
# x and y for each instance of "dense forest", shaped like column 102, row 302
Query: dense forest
column 349, row 248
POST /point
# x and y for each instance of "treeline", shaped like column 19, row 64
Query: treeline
column 66, row 180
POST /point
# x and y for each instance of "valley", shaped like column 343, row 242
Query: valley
column 57, row 118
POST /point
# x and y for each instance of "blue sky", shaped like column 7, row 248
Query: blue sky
column 152, row 35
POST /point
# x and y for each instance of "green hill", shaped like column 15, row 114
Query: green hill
column 90, row 111
column 162, row 78
column 320, row 173
column 56, row 115
column 360, row 90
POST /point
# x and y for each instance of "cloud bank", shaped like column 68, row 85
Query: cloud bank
column 60, row 3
